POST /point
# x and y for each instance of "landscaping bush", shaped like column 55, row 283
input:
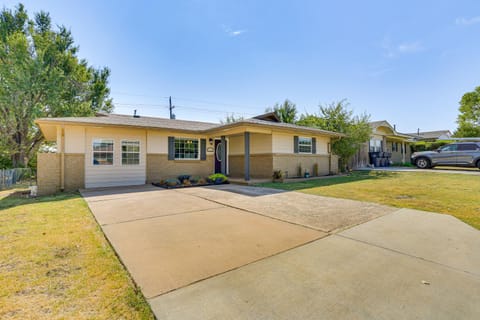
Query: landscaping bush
column 217, row 178
column 172, row 182
column 428, row 146
column 183, row 177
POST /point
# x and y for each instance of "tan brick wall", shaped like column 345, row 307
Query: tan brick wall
column 74, row 171
column 159, row 167
column 236, row 163
column 48, row 173
column 290, row 162
column 261, row 166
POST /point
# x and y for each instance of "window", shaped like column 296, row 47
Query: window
column 468, row 147
column 450, row 147
column 375, row 145
column 130, row 152
column 186, row 148
column 304, row 145
column 102, row 152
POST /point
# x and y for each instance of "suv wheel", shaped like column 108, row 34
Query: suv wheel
column 422, row 163
column 478, row 164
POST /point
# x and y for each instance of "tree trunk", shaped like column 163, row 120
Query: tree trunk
column 18, row 160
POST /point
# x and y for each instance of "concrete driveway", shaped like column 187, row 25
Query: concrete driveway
column 235, row 252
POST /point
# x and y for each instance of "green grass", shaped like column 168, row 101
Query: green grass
column 55, row 263
column 454, row 194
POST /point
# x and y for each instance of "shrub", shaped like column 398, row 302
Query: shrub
column 217, row 178
column 315, row 170
column 183, row 177
column 195, row 180
column 172, row 182
column 428, row 146
column 277, row 174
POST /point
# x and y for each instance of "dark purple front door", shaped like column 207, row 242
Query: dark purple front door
column 218, row 156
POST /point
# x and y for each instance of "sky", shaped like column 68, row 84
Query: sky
column 407, row 62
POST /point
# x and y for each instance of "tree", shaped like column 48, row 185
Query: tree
column 286, row 112
column 338, row 118
column 469, row 118
column 41, row 76
column 231, row 118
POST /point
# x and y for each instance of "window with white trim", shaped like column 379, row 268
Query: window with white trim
column 102, row 152
column 304, row 145
column 375, row 145
column 187, row 148
column 130, row 152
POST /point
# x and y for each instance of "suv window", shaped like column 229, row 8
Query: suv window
column 467, row 147
column 449, row 147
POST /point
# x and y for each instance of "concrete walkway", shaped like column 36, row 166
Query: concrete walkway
column 236, row 252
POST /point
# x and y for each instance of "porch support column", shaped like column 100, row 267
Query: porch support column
column 224, row 156
column 247, row 156
column 403, row 151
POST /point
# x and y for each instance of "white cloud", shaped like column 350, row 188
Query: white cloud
column 233, row 33
column 395, row 50
column 410, row 47
column 467, row 21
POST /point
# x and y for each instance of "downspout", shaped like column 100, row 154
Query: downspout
column 62, row 158
column 329, row 150
column 145, row 148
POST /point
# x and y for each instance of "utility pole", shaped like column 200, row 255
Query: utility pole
column 172, row 115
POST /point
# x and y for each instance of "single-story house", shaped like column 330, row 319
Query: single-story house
column 431, row 135
column 385, row 143
column 118, row 150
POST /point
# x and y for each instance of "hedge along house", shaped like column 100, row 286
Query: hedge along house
column 119, row 150
column 385, row 144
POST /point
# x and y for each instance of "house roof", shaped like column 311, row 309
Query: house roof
column 431, row 134
column 385, row 123
column 169, row 124
column 130, row 121
column 283, row 125
column 270, row 116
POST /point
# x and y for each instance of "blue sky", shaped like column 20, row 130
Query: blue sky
column 407, row 62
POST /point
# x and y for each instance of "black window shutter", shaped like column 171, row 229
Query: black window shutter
column 203, row 149
column 171, row 148
column 295, row 144
column 314, row 145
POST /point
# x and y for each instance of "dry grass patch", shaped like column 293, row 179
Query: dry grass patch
column 454, row 194
column 55, row 263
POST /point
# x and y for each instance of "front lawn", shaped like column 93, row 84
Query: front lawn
column 454, row 194
column 56, row 264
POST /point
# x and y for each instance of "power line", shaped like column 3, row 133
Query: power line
column 156, row 106
column 187, row 99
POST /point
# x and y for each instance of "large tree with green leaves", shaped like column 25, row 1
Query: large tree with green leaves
column 42, row 76
column 338, row 117
column 286, row 112
column 469, row 118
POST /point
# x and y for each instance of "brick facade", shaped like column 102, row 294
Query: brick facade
column 48, row 173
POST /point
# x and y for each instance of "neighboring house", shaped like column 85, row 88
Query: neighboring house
column 431, row 135
column 118, row 150
column 386, row 144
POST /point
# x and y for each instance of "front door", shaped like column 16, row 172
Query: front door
column 218, row 156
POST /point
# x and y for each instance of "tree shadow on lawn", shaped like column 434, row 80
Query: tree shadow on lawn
column 329, row 181
column 17, row 197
